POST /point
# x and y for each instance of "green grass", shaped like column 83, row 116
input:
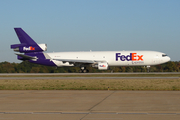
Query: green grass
column 97, row 75
column 92, row 84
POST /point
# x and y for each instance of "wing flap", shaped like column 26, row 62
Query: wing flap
column 75, row 61
column 80, row 61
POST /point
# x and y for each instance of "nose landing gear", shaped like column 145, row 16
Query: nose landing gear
column 148, row 68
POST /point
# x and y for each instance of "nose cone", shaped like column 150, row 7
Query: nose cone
column 165, row 58
column 168, row 58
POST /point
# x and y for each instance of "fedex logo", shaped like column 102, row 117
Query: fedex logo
column 131, row 57
column 28, row 48
column 102, row 65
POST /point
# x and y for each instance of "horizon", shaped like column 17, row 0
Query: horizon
column 101, row 25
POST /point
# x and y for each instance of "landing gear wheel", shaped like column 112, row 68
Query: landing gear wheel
column 148, row 67
column 83, row 70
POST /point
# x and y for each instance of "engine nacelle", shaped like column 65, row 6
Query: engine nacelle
column 31, row 48
column 102, row 66
column 43, row 47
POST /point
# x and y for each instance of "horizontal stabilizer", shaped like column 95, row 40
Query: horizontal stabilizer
column 26, row 56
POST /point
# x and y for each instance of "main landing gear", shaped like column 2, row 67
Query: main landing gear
column 83, row 70
column 148, row 68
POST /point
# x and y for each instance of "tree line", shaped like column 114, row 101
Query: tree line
column 27, row 67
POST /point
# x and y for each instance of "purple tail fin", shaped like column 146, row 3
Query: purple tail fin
column 33, row 51
column 27, row 43
column 24, row 37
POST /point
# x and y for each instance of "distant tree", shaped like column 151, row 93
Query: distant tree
column 171, row 67
column 35, row 70
column 27, row 67
column 129, row 69
column 6, row 67
column 178, row 67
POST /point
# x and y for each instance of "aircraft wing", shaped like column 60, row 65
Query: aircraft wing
column 26, row 56
column 80, row 61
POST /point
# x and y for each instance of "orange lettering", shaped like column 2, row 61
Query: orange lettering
column 133, row 56
column 32, row 48
column 140, row 57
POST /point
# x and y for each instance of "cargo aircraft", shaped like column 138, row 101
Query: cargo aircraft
column 102, row 60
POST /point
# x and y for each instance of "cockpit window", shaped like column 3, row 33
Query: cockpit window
column 164, row 55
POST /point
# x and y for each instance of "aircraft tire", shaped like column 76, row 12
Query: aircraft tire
column 84, row 71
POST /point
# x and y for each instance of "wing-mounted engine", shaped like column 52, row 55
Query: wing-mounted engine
column 23, row 48
column 103, row 66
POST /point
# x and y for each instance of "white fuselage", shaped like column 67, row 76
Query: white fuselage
column 112, row 58
column 101, row 59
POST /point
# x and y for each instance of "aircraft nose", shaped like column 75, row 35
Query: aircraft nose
column 168, row 59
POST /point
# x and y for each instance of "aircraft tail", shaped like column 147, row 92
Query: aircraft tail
column 27, row 43
column 33, row 52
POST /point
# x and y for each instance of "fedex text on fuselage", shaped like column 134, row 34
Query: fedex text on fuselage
column 130, row 57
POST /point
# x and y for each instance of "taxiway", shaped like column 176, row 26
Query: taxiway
column 87, row 105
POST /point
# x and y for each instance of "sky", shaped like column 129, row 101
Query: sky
column 97, row 25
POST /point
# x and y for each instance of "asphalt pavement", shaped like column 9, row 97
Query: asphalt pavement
column 87, row 105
